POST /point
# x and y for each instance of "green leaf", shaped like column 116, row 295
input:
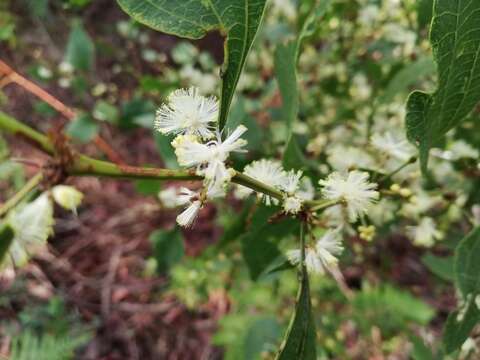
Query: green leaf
column 168, row 248
column 258, row 253
column 455, row 38
column 440, row 266
column 467, row 266
column 299, row 343
column 80, row 48
column 312, row 22
column 459, row 325
column 420, row 351
column 82, row 128
column 407, row 77
column 259, row 246
column 105, row 111
column 193, row 19
column 166, row 150
column 293, row 157
column 6, row 238
column 262, row 336
column 237, row 226
column 286, row 74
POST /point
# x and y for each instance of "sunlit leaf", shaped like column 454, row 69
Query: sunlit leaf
column 455, row 38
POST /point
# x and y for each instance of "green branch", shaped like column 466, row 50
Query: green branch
column 21, row 194
column 86, row 166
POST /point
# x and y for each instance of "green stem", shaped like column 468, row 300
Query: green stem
column 87, row 166
column 397, row 170
column 21, row 194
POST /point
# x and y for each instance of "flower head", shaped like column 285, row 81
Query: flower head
column 32, row 225
column 353, row 189
column 209, row 158
column 267, row 171
column 321, row 257
column 188, row 112
column 425, row 233
column 291, row 181
column 292, row 204
column 188, row 216
column 392, row 146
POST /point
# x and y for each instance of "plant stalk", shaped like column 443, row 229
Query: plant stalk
column 86, row 166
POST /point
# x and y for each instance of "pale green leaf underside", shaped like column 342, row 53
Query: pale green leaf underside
column 237, row 19
column 455, row 38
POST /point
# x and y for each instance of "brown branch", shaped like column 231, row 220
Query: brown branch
column 11, row 76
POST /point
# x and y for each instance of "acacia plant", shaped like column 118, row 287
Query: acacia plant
column 371, row 177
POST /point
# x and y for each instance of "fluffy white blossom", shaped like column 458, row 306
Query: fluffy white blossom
column 188, row 112
column 188, row 216
column 322, row 257
column 209, row 159
column 306, row 191
column 343, row 158
column 169, row 197
column 292, row 204
column 267, row 171
column 425, row 233
column 32, row 225
column 291, row 181
column 392, row 146
column 192, row 198
column 352, row 189
column 457, row 150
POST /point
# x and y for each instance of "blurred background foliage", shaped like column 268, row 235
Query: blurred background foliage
column 355, row 72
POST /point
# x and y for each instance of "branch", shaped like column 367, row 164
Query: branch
column 11, row 76
column 86, row 166
column 21, row 194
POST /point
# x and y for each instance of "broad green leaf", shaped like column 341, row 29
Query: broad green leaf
column 440, row 266
column 293, row 157
column 237, row 226
column 6, row 238
column 258, row 252
column 286, row 73
column 262, row 336
column 459, row 325
column 467, row 266
column 285, row 62
column 299, row 343
column 237, row 19
column 82, row 128
column 80, row 48
column 424, row 13
column 455, row 38
column 407, row 77
column 168, row 248
column 259, row 244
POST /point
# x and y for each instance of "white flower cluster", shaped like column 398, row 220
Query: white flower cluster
column 198, row 144
column 321, row 257
column 32, row 223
